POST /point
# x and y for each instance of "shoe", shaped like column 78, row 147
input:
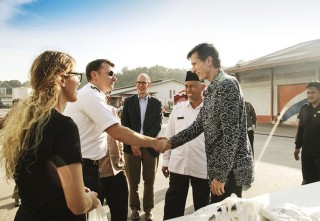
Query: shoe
column 149, row 216
column 17, row 202
column 135, row 214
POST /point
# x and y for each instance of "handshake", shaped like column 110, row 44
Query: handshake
column 161, row 144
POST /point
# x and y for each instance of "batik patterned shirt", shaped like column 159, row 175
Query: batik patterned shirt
column 223, row 121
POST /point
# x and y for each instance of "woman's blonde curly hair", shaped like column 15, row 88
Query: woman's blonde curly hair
column 31, row 115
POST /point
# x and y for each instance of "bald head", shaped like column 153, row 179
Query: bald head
column 143, row 76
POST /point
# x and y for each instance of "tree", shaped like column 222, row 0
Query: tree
column 26, row 84
column 10, row 84
column 15, row 83
column 128, row 77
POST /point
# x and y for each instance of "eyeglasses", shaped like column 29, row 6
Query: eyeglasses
column 110, row 73
column 141, row 82
column 78, row 75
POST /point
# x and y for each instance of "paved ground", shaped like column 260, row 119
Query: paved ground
column 276, row 170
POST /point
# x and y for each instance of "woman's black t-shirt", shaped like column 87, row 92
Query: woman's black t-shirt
column 42, row 196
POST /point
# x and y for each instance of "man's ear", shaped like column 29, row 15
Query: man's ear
column 209, row 60
column 203, row 86
column 93, row 74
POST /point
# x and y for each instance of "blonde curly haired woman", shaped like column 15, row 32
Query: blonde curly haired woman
column 41, row 147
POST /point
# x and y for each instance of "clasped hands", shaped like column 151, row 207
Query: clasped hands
column 162, row 144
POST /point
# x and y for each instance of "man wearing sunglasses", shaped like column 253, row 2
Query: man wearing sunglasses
column 141, row 113
column 94, row 119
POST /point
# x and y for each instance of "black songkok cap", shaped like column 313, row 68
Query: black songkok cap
column 192, row 76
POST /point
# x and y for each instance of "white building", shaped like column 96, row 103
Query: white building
column 276, row 83
column 3, row 90
column 20, row 92
column 164, row 90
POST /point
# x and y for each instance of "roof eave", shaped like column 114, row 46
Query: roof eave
column 270, row 65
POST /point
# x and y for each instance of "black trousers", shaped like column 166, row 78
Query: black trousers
column 251, row 138
column 229, row 188
column 310, row 168
column 115, row 190
column 176, row 196
column 91, row 176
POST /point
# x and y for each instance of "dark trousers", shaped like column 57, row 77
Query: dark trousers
column 229, row 188
column 176, row 195
column 251, row 138
column 91, row 176
column 310, row 168
column 115, row 190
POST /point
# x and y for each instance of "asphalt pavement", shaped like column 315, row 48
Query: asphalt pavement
column 275, row 170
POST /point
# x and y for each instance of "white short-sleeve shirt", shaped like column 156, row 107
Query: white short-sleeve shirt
column 189, row 159
column 93, row 116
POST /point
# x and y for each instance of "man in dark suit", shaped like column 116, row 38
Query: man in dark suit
column 143, row 114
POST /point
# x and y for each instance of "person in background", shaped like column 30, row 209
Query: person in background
column 186, row 163
column 141, row 113
column 251, row 123
column 222, row 119
column 41, row 147
column 95, row 120
column 113, row 181
column 15, row 194
column 307, row 137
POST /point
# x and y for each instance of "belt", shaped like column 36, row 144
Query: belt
column 88, row 161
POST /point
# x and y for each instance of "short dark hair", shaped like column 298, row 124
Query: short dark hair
column 205, row 50
column 315, row 84
column 95, row 66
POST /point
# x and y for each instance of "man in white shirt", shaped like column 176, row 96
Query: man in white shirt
column 94, row 119
column 186, row 163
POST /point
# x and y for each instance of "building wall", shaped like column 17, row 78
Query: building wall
column 3, row 90
column 256, row 89
column 20, row 92
column 162, row 91
column 166, row 91
column 288, row 90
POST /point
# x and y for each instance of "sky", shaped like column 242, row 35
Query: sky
column 145, row 33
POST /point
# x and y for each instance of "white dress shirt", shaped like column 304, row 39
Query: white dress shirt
column 143, row 103
column 190, row 158
column 92, row 115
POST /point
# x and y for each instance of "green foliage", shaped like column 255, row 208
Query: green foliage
column 128, row 77
column 10, row 84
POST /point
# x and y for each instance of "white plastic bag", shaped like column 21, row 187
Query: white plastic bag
column 98, row 214
column 291, row 212
column 232, row 208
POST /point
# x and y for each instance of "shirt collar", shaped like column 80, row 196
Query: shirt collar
column 199, row 106
column 143, row 98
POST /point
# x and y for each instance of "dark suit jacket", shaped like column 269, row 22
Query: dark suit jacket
column 152, row 122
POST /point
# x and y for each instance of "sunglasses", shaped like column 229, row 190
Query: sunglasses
column 78, row 75
column 110, row 73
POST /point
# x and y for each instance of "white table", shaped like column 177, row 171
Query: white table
column 306, row 196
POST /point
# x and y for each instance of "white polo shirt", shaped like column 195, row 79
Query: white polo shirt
column 92, row 115
column 189, row 159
